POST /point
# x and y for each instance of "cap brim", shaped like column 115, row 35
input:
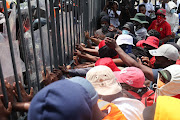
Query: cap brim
column 155, row 53
column 142, row 22
column 109, row 90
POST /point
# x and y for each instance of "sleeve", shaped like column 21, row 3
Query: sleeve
column 78, row 72
column 176, row 26
column 151, row 25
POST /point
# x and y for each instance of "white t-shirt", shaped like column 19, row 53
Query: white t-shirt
column 114, row 21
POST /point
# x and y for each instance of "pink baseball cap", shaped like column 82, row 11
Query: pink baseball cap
column 152, row 41
column 107, row 62
column 132, row 76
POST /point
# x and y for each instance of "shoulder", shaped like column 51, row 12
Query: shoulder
column 166, row 24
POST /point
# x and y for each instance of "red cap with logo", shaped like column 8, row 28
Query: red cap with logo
column 152, row 41
column 161, row 11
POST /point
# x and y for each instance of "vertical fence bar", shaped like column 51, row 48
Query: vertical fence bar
column 79, row 23
column 49, row 42
column 76, row 20
column 73, row 14
column 33, row 43
column 58, row 36
column 23, row 46
column 3, row 87
column 86, row 17
column 12, row 50
column 62, row 24
column 70, row 19
column 53, row 34
column 67, row 36
column 40, row 31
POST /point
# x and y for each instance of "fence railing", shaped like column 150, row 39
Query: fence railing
column 42, row 34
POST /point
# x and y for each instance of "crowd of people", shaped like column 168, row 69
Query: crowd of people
column 126, row 71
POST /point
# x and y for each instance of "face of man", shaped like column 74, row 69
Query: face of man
column 115, row 6
column 145, row 1
column 142, row 10
column 163, row 62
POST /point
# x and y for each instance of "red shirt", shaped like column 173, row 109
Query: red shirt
column 164, row 28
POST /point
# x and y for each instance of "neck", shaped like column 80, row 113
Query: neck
column 97, row 114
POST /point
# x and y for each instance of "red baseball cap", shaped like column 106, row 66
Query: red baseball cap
column 107, row 62
column 152, row 41
column 161, row 11
column 132, row 76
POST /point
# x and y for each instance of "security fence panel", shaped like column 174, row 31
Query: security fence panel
column 40, row 35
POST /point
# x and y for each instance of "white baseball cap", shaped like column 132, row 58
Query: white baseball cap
column 124, row 39
column 166, row 50
column 103, row 80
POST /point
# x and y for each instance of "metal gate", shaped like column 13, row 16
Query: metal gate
column 42, row 34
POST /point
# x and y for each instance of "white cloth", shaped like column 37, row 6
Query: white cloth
column 141, row 34
column 178, row 42
column 113, row 20
column 171, row 88
column 131, row 108
column 160, row 4
column 149, row 7
column 172, row 19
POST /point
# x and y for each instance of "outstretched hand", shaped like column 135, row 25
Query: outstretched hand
column 86, row 34
column 25, row 97
column 49, row 78
column 111, row 43
column 58, row 73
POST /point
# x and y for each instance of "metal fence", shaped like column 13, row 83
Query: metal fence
column 40, row 35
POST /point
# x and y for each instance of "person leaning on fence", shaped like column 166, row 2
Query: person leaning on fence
column 165, row 56
column 132, row 79
column 61, row 100
column 121, row 109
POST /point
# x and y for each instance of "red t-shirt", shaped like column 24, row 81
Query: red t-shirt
column 164, row 28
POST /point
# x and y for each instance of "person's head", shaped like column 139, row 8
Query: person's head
column 142, row 9
column 130, row 78
column 139, row 20
column 88, row 86
column 129, row 26
column 125, row 42
column 168, row 81
column 145, row 1
column 96, row 112
column 105, row 21
column 107, row 62
column 161, row 14
column 61, row 100
column 171, row 7
column 151, row 43
column 103, row 80
column 115, row 5
column 165, row 55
